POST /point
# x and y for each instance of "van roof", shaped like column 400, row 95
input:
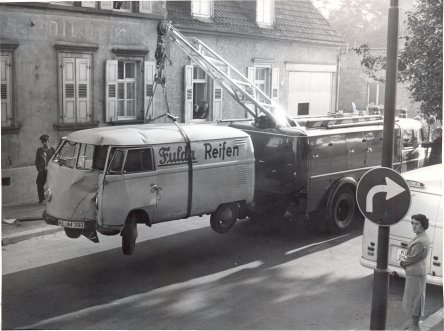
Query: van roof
column 147, row 134
column 430, row 176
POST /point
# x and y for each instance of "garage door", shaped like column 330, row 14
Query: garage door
column 309, row 93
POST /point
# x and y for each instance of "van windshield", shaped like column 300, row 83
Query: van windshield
column 81, row 156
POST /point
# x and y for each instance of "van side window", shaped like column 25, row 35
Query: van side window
column 117, row 162
column 407, row 138
column 138, row 160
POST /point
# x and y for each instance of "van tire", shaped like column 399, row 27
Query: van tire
column 129, row 234
column 72, row 233
column 343, row 211
column 224, row 218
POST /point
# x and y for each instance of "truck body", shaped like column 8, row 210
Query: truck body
column 315, row 168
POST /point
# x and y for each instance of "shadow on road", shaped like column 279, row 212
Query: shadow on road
column 234, row 275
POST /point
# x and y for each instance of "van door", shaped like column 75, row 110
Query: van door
column 172, row 182
column 128, row 184
column 436, row 253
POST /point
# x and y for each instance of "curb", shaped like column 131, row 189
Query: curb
column 432, row 321
column 25, row 235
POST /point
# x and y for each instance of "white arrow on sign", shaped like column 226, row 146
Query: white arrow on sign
column 392, row 189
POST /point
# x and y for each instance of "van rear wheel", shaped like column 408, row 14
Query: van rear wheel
column 224, row 218
column 129, row 234
column 342, row 211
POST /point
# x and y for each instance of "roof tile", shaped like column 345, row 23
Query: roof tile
column 294, row 20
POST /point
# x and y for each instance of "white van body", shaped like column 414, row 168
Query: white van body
column 426, row 198
column 97, row 177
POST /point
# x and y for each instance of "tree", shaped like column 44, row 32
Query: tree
column 420, row 60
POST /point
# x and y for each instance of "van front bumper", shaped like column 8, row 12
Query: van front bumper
column 84, row 224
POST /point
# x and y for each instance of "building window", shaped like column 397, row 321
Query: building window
column 129, row 88
column 265, row 12
column 263, row 80
column 146, row 6
column 6, row 88
column 126, row 89
column 202, row 8
column 75, row 87
column 375, row 94
column 200, row 92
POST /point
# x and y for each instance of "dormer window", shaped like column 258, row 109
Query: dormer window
column 202, row 8
column 265, row 13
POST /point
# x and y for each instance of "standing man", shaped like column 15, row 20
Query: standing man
column 203, row 111
column 42, row 157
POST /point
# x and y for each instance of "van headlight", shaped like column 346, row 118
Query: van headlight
column 48, row 195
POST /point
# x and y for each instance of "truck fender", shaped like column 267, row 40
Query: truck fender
column 346, row 181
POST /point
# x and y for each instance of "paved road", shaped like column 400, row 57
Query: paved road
column 184, row 276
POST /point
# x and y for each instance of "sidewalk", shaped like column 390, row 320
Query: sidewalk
column 24, row 221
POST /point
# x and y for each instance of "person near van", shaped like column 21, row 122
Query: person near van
column 435, row 156
column 414, row 263
column 195, row 111
column 42, row 157
column 203, row 111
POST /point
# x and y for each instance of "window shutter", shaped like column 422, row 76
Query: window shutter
column 275, row 85
column 5, row 90
column 90, row 4
column 83, row 90
column 145, row 6
column 106, row 5
column 69, row 90
column 149, row 70
column 111, row 90
column 218, row 99
column 188, row 116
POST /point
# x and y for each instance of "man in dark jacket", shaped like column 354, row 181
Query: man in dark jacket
column 435, row 156
column 42, row 157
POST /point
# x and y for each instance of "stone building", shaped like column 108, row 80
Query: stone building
column 67, row 66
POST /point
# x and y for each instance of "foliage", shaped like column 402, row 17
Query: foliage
column 420, row 60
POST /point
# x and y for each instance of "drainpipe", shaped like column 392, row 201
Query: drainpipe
column 342, row 51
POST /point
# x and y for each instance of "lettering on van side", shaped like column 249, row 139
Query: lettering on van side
column 220, row 152
column 180, row 156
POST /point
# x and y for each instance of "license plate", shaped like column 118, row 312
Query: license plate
column 400, row 254
column 72, row 225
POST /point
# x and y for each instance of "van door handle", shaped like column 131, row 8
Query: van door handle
column 315, row 156
column 404, row 244
column 260, row 161
column 436, row 264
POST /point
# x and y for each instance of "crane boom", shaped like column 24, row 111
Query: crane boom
column 245, row 92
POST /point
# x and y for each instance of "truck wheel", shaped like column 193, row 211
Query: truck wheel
column 129, row 234
column 342, row 210
column 72, row 233
column 223, row 219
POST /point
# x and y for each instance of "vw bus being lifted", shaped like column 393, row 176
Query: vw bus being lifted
column 110, row 179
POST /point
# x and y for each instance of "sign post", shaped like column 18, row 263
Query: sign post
column 383, row 197
column 381, row 275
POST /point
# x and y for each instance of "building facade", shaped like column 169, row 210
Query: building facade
column 67, row 66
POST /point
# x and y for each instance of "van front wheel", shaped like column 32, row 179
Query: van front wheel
column 224, row 218
column 129, row 234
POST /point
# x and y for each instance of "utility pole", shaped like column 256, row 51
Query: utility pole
column 381, row 274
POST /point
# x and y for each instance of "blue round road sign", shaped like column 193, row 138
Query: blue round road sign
column 383, row 196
